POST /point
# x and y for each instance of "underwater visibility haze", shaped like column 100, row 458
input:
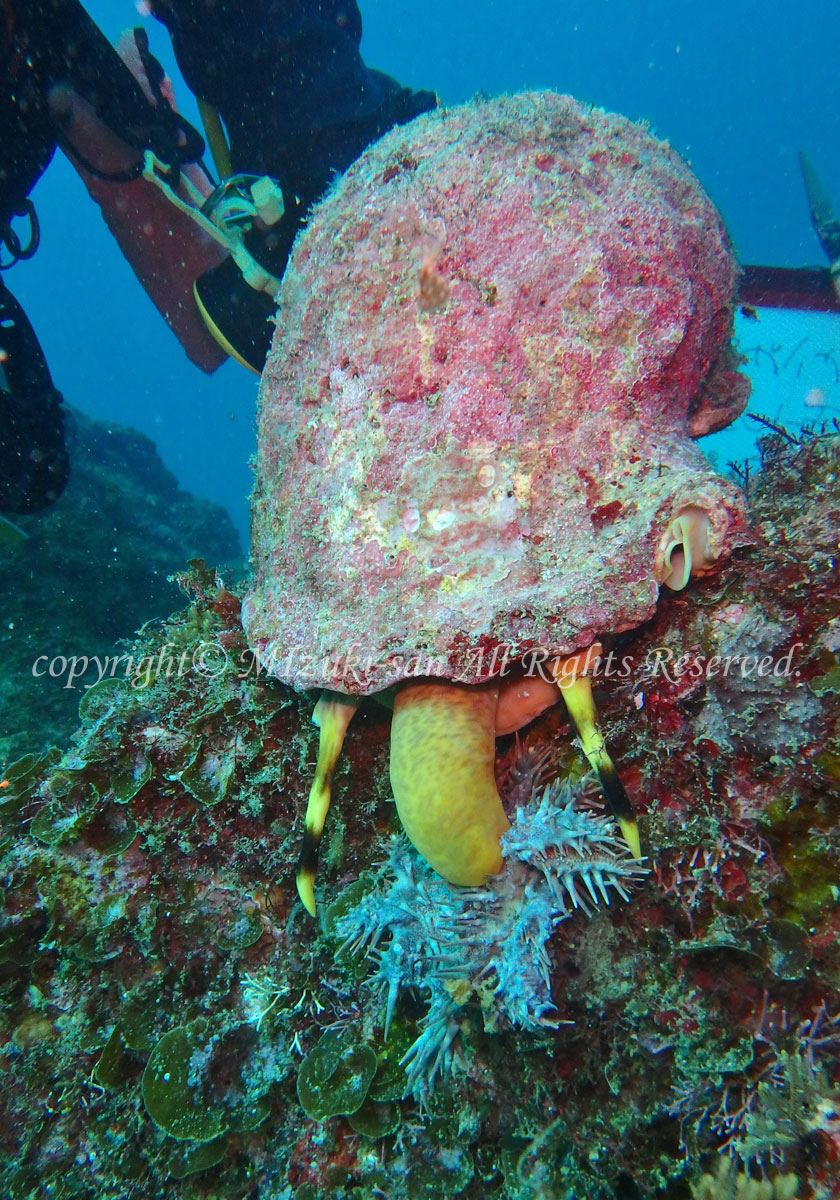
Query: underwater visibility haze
column 478, row 834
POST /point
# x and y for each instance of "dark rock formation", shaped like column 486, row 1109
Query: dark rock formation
column 94, row 569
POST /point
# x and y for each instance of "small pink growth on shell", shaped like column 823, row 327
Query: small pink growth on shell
column 434, row 288
column 411, row 520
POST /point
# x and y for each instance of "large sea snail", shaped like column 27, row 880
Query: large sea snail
column 443, row 740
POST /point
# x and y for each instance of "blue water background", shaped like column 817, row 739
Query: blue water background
column 737, row 88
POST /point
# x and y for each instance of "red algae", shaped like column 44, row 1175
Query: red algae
column 147, row 920
column 496, row 340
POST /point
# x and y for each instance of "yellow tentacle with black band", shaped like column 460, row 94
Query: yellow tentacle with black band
column 576, row 690
column 333, row 713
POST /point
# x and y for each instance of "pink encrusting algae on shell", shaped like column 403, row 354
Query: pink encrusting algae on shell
column 500, row 466
column 496, row 340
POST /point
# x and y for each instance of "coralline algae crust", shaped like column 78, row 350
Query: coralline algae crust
column 495, row 341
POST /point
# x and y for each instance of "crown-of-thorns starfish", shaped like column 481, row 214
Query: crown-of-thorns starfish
column 496, row 341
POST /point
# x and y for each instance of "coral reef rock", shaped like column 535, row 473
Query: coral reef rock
column 95, row 567
column 174, row 1024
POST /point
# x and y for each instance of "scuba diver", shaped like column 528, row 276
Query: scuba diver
column 45, row 48
column 286, row 102
column 283, row 80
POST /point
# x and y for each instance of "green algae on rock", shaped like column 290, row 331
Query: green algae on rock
column 174, row 1099
column 658, row 1002
column 335, row 1076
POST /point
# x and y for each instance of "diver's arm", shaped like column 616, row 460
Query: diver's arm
column 289, row 81
column 299, row 105
column 58, row 48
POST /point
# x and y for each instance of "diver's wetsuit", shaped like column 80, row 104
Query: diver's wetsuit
column 43, row 45
column 33, row 460
column 298, row 102
column 288, row 80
